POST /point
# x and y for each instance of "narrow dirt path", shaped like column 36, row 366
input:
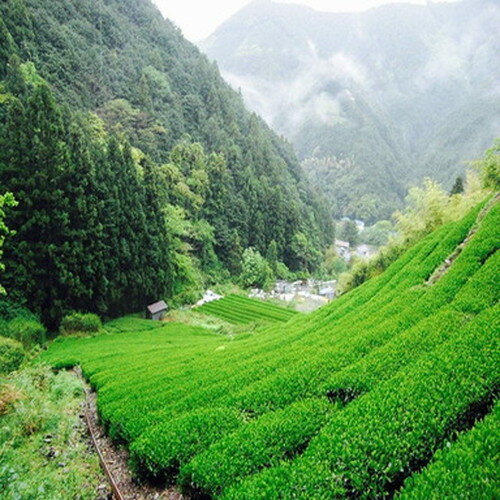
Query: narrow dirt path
column 441, row 270
column 114, row 460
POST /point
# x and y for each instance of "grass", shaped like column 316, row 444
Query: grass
column 354, row 399
column 44, row 452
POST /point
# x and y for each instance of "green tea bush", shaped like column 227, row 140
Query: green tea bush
column 78, row 323
column 469, row 465
column 259, row 444
column 381, row 437
column 170, row 444
column 11, row 354
column 242, row 310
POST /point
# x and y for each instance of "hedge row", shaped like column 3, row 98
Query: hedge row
column 470, row 465
column 242, row 310
column 369, row 448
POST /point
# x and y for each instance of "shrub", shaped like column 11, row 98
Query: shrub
column 256, row 272
column 78, row 323
column 11, row 354
column 470, row 464
column 19, row 323
column 26, row 330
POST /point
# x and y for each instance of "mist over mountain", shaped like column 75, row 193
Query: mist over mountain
column 372, row 101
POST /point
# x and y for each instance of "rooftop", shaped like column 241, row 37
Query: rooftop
column 157, row 307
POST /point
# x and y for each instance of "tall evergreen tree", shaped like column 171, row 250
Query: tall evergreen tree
column 458, row 187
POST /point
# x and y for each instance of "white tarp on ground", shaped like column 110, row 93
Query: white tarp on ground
column 208, row 296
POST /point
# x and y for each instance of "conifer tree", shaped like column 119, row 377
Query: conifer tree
column 458, row 187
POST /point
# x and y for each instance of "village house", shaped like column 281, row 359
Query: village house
column 343, row 249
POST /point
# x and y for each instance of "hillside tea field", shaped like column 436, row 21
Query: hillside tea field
column 388, row 390
column 242, row 310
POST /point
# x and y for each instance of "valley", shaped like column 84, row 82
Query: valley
column 273, row 280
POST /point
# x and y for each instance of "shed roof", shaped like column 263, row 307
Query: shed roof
column 157, row 307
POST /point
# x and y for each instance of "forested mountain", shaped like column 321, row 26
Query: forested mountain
column 373, row 101
column 136, row 168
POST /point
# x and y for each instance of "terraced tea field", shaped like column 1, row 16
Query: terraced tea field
column 389, row 390
column 242, row 310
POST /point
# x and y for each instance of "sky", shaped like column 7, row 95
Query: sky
column 199, row 18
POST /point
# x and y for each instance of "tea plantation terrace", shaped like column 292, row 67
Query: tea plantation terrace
column 379, row 393
column 242, row 310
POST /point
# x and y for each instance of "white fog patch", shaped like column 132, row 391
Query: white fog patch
column 455, row 54
column 346, row 68
column 314, row 95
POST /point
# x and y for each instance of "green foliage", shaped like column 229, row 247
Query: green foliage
column 349, row 232
column 109, row 216
column 44, row 448
column 427, row 209
column 378, row 234
column 341, row 174
column 19, row 323
column 164, row 447
column 333, row 264
column 130, row 324
column 236, row 172
column 27, row 330
column 489, row 167
column 255, row 270
column 242, row 310
column 303, row 255
column 362, row 269
column 260, row 443
column 11, row 310
column 11, row 355
column 78, row 323
column 147, row 199
column 272, row 256
column 6, row 200
column 349, row 400
column 469, row 465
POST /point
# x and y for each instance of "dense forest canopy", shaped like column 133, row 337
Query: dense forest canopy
column 373, row 101
column 137, row 170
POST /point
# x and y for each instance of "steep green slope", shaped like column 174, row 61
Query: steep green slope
column 350, row 400
column 122, row 60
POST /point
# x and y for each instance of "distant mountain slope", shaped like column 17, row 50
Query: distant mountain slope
column 121, row 59
column 401, row 91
